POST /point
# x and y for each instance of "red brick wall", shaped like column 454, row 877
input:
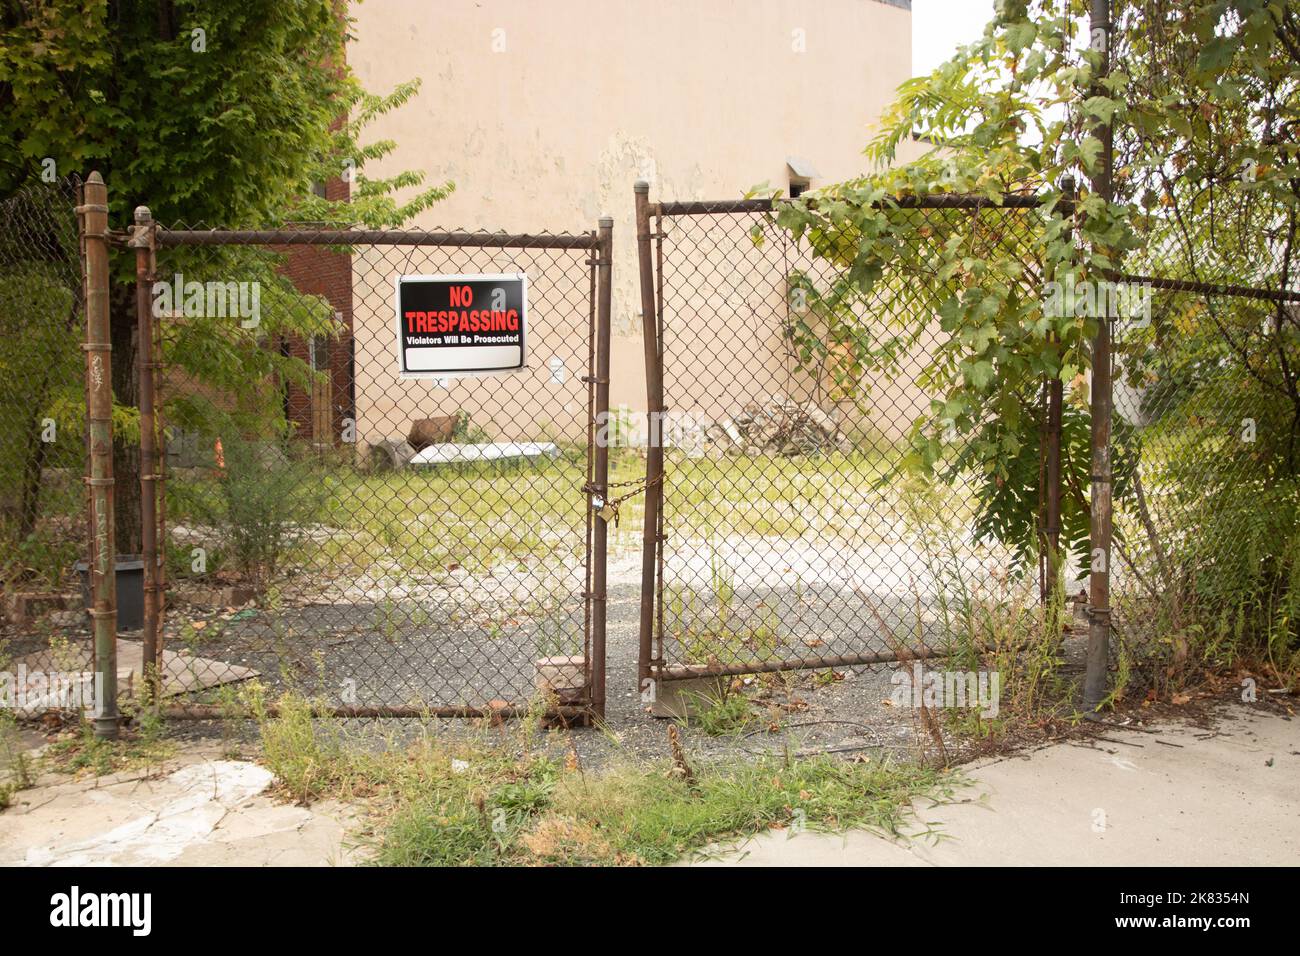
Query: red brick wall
column 316, row 270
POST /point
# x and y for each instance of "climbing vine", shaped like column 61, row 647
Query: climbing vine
column 967, row 293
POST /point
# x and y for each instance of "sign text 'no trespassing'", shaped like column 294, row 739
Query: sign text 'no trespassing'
column 453, row 325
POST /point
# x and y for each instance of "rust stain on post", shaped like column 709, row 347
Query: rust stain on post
column 99, row 421
column 655, row 452
column 142, row 241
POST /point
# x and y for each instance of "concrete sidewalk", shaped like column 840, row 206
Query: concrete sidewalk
column 1182, row 796
column 203, row 811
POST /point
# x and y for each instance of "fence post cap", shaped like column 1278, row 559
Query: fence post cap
column 94, row 177
column 605, row 222
column 641, row 186
column 142, row 214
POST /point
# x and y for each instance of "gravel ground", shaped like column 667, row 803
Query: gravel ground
column 470, row 640
column 793, row 712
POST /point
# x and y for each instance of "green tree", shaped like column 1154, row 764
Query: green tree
column 1204, row 98
column 223, row 112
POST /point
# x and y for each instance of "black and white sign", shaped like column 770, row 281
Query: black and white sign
column 456, row 325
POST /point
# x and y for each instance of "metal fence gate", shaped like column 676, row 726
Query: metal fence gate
column 285, row 532
column 779, row 539
column 464, row 578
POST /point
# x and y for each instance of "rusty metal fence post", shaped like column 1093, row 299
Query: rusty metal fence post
column 654, row 450
column 604, row 252
column 1099, row 544
column 93, row 214
column 142, row 241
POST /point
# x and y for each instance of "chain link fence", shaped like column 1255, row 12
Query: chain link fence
column 386, row 545
column 42, row 404
column 1206, row 435
column 383, row 545
column 790, row 537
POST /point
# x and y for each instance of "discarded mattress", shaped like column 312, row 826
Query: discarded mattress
column 450, row 452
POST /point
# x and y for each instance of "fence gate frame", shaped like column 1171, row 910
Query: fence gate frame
column 653, row 670
column 145, row 238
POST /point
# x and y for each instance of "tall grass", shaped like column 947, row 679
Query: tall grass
column 989, row 617
column 502, row 797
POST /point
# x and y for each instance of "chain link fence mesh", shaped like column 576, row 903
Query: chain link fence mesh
column 42, row 404
column 792, row 539
column 1204, row 424
column 363, row 539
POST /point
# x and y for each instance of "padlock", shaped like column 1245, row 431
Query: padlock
column 606, row 511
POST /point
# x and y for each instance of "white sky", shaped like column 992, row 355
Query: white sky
column 939, row 26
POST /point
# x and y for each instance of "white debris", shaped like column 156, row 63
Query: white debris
column 451, row 452
column 181, row 812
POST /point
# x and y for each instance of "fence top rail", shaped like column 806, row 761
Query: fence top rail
column 372, row 237
column 1206, row 288
column 713, row 207
column 705, row 207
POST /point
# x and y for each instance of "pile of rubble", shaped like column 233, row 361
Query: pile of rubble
column 778, row 426
column 395, row 453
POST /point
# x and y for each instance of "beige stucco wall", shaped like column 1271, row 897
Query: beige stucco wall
column 544, row 114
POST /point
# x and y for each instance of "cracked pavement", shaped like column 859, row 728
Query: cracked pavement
column 196, row 810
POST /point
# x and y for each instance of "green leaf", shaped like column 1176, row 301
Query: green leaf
column 1218, row 54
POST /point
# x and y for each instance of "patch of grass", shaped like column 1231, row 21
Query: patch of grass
column 140, row 746
column 387, row 517
column 826, row 678
column 383, row 520
column 989, row 621
column 727, row 715
column 307, row 761
column 712, row 627
column 499, row 799
column 777, row 496
column 83, row 751
column 15, row 764
column 641, row 815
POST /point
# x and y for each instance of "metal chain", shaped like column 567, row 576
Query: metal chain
column 612, row 504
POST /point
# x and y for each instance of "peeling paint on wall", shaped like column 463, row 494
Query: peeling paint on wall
column 623, row 161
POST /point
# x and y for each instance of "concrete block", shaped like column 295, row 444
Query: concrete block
column 682, row 699
column 565, row 677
